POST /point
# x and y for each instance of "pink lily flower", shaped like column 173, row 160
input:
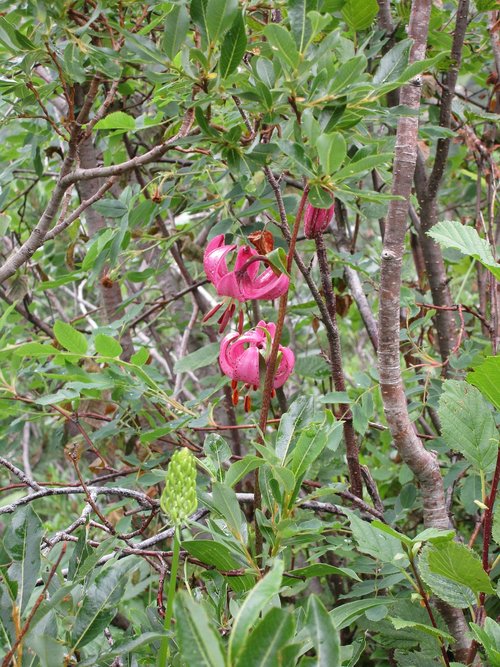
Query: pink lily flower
column 316, row 220
column 243, row 356
column 244, row 282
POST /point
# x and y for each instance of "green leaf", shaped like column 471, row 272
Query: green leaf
column 33, row 350
column 233, row 47
column 324, row 635
column 460, row 564
column 346, row 614
column 205, row 356
column 393, row 63
column 213, row 553
column 99, row 602
column 22, row 542
column 489, row 637
column 457, row 595
column 121, row 649
column 107, row 346
column 226, row 504
column 282, row 42
column 486, row 377
column 332, row 151
column 71, row 339
column 265, row 644
column 140, row 357
column 374, row 542
column 175, row 30
column 240, row 469
column 359, row 15
column 317, row 570
column 367, row 163
column 220, row 15
column 198, row 640
column 256, row 600
column 292, row 420
column 117, row 120
column 310, row 444
column 452, row 234
column 400, row 624
column 299, row 21
column 467, row 424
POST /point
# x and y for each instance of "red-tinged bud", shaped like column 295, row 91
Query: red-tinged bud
column 211, row 312
column 316, row 220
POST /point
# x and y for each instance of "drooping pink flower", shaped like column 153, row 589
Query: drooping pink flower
column 245, row 281
column 243, row 357
column 316, row 220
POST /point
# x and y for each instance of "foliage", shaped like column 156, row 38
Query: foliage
column 294, row 526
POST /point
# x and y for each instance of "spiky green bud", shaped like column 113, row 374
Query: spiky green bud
column 178, row 500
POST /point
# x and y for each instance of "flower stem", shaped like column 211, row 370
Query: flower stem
column 271, row 368
column 163, row 655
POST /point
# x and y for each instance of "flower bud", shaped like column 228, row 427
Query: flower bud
column 178, row 500
column 316, row 220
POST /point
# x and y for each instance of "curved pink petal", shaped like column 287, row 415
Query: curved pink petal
column 225, row 360
column 265, row 286
column 248, row 366
column 214, row 262
column 227, row 285
column 285, row 367
column 244, row 254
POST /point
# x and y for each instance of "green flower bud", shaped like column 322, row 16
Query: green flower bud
column 178, row 500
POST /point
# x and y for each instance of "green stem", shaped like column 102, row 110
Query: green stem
column 163, row 655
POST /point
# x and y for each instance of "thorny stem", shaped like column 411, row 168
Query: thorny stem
column 163, row 656
column 271, row 367
column 337, row 369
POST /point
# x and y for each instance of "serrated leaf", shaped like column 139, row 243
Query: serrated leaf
column 71, row 339
column 374, row 542
column 486, row 377
column 282, row 42
column 360, row 15
column 117, row 120
column 262, row 593
column 452, row 234
column 264, row 645
column 332, row 150
column 107, row 346
column 197, row 638
column 175, row 30
column 460, row 564
column 323, row 633
column 467, row 424
column 233, row 47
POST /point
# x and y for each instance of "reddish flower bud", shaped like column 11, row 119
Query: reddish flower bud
column 316, row 220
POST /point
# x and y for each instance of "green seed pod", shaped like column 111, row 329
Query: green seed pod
column 178, row 500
